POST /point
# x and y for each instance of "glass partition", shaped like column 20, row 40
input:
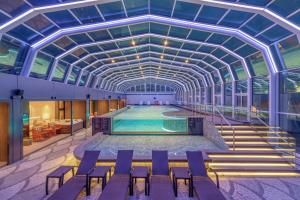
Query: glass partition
column 41, row 66
column 260, row 97
column 290, row 52
column 10, row 50
column 228, row 94
column 60, row 72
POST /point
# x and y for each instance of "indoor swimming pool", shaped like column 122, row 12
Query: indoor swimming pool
column 149, row 119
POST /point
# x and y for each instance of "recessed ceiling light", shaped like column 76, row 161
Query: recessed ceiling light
column 162, row 57
column 137, row 57
column 133, row 43
column 166, row 42
column 186, row 61
column 113, row 61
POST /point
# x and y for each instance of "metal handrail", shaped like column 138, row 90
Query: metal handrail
column 272, row 129
column 228, row 123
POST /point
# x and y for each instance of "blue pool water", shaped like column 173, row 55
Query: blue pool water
column 149, row 119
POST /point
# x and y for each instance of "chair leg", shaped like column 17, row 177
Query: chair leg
column 103, row 182
column 60, row 182
column 47, row 179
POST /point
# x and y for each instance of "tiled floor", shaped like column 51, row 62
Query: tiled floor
column 26, row 179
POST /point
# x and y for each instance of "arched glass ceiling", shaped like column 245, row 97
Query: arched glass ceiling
column 73, row 41
column 112, row 76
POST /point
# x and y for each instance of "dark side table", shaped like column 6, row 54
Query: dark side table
column 140, row 172
column 177, row 174
column 59, row 173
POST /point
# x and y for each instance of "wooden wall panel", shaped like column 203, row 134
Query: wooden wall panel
column 113, row 104
column 79, row 108
column 4, row 125
column 122, row 103
column 103, row 107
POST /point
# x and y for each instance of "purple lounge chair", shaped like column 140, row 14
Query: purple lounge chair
column 118, row 185
column 160, row 182
column 204, row 187
column 71, row 189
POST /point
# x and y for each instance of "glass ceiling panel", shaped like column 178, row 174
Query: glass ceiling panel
column 256, row 2
column 64, row 43
column 25, row 34
column 210, row 15
column 4, row 18
column 53, row 50
column 185, row 10
column 108, row 46
column 233, row 43
column 90, row 59
column 41, row 24
column 235, row 18
column 62, row 18
column 175, row 44
column 113, row 10
column 256, row 25
column 79, row 52
column 284, row 8
column 70, row 58
column 246, row 50
column 92, row 49
column 170, row 51
column 199, row 35
column 87, row 14
column 190, row 46
column 217, row 38
column 81, row 38
column 179, row 32
column 274, row 34
column 159, row 7
column 295, row 18
column 118, row 32
column 206, row 49
column 159, row 28
column 198, row 56
column 229, row 59
column 134, row 7
column 137, row 29
column 100, row 35
column 219, row 53
column 43, row 2
column 15, row 7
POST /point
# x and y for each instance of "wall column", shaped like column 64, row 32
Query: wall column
column 15, row 142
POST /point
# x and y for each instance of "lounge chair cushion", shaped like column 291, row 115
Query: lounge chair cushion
column 206, row 189
column 116, row 189
column 71, row 189
column 161, row 188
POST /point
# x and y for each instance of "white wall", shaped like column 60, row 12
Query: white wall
column 136, row 98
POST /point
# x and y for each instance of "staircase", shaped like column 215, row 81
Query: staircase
column 254, row 151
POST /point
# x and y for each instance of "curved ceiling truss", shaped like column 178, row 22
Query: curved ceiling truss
column 221, row 34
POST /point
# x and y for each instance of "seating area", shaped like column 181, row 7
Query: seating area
column 160, row 180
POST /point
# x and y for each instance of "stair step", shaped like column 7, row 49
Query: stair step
column 250, row 160
column 242, row 153
column 258, row 138
column 258, row 171
column 252, row 131
column 252, row 134
column 266, row 149
column 258, row 145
